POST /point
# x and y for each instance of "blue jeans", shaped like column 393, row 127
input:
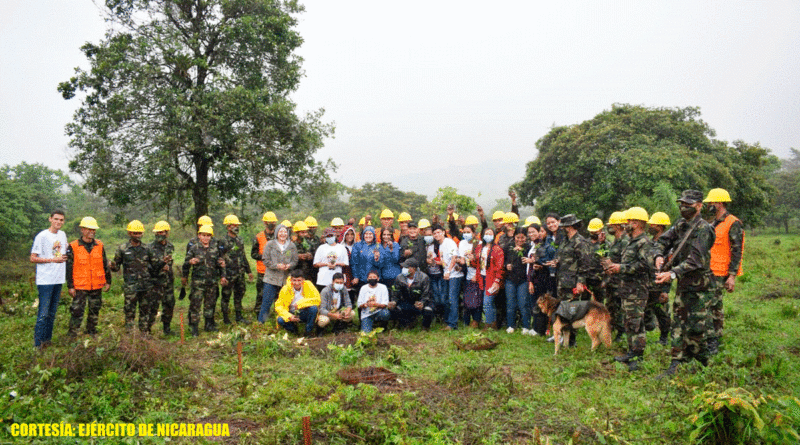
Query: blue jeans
column 517, row 297
column 49, row 294
column 453, row 289
column 439, row 291
column 366, row 322
column 267, row 299
column 307, row 315
column 488, row 308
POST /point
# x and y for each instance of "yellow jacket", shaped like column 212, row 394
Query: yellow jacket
column 286, row 295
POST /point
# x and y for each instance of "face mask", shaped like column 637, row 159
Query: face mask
column 235, row 230
column 467, row 237
column 338, row 286
column 137, row 238
column 688, row 212
column 612, row 231
column 652, row 231
column 372, row 281
column 712, row 209
column 330, row 240
column 271, row 226
column 161, row 238
column 488, row 238
column 428, row 239
column 594, row 236
column 405, row 272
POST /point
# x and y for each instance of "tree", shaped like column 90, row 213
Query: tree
column 373, row 198
column 786, row 181
column 190, row 97
column 623, row 156
column 38, row 190
column 446, row 196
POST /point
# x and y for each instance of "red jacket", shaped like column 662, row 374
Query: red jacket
column 494, row 268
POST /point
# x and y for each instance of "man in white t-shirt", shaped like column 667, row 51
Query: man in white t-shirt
column 49, row 254
column 329, row 258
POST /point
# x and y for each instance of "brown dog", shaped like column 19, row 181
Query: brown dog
column 593, row 316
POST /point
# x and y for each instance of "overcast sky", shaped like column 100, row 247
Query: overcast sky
column 416, row 86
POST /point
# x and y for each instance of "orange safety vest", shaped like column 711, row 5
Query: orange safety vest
column 721, row 250
column 262, row 241
column 88, row 272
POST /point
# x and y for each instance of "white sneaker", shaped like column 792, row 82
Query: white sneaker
column 35, row 303
column 551, row 339
column 510, row 330
column 533, row 333
column 525, row 331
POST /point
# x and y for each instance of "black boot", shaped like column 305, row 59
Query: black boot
column 225, row 318
column 168, row 331
column 673, row 367
column 620, row 337
column 625, row 358
column 193, row 328
column 635, row 361
column 240, row 319
column 210, row 325
column 713, row 346
column 664, row 339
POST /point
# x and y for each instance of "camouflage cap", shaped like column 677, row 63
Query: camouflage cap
column 411, row 262
column 328, row 232
column 691, row 196
column 569, row 220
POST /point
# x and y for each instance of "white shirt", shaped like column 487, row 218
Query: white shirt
column 448, row 250
column 380, row 293
column 298, row 296
column 50, row 245
column 465, row 247
column 327, row 254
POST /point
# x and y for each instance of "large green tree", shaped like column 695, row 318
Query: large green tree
column 187, row 96
column 449, row 195
column 372, row 198
column 632, row 154
column 786, row 181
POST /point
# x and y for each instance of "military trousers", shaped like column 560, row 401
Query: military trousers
column 259, row 293
column 634, row 300
column 715, row 308
column 614, row 305
column 236, row 286
column 83, row 298
column 142, row 300
column 205, row 296
column 657, row 313
column 163, row 295
column 690, row 321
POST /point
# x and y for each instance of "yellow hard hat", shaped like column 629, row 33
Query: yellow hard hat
column 659, row 218
column 161, row 226
column 286, row 223
column 231, row 219
column 718, row 195
column 498, row 215
column 362, row 221
column 89, row 223
column 595, row 224
column 471, row 220
column 269, row 217
column 300, row 226
column 337, row 222
column 311, row 222
column 617, row 218
column 135, row 226
column 510, row 218
column 423, row 224
column 403, row 217
column 532, row 220
column 386, row 213
column 637, row 213
column 206, row 229
column 205, row 220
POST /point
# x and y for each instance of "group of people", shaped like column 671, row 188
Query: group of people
column 460, row 270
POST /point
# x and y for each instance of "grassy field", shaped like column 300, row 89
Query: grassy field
column 518, row 392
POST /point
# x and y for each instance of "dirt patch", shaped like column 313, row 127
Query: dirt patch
column 371, row 374
column 236, row 427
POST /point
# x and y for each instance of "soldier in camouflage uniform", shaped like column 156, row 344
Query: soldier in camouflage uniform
column 635, row 272
column 163, row 277
column 657, row 310
column 613, row 297
column 597, row 241
column 726, row 259
column 136, row 262
column 207, row 265
column 236, row 266
column 690, row 240
column 314, row 242
column 574, row 260
column 88, row 275
column 305, row 254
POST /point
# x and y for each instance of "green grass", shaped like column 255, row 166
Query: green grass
column 510, row 394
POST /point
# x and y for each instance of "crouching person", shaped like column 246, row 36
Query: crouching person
column 411, row 296
column 373, row 301
column 298, row 304
column 335, row 307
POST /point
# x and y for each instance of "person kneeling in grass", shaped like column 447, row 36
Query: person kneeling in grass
column 298, row 302
column 373, row 300
column 335, row 306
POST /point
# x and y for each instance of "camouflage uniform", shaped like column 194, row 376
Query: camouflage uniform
column 574, row 262
column 163, row 284
column 236, row 265
column 736, row 241
column 313, row 244
column 136, row 263
column 594, row 281
column 613, row 297
column 205, row 276
column 304, row 245
column 91, row 300
column 695, row 286
column 635, row 272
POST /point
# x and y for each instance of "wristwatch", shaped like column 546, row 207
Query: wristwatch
column 672, row 275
